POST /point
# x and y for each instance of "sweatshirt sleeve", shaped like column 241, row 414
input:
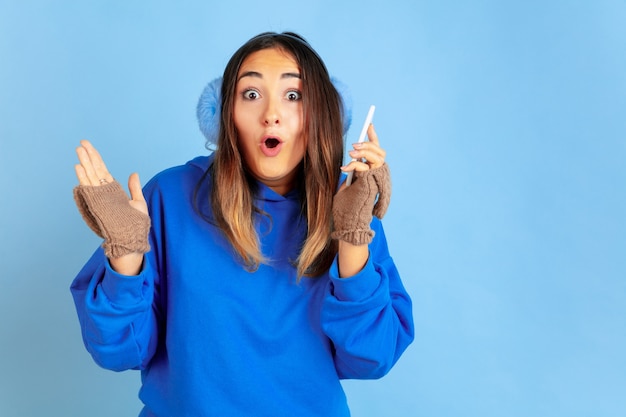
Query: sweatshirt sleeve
column 118, row 324
column 119, row 315
column 368, row 317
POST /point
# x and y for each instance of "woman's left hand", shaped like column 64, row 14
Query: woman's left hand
column 368, row 155
column 368, row 195
column 354, row 205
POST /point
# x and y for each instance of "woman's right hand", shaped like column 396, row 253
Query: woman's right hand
column 92, row 171
column 124, row 224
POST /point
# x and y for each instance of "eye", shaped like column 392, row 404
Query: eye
column 293, row 95
column 250, row 94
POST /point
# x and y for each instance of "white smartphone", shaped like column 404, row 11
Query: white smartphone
column 366, row 124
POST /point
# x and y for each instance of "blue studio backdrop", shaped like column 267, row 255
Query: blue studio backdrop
column 505, row 129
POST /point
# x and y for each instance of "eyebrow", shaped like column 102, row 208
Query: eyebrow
column 259, row 75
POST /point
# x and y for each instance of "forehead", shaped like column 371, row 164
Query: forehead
column 268, row 60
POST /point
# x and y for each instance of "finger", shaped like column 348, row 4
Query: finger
column 91, row 160
column 373, row 140
column 372, row 135
column 89, row 177
column 137, row 200
column 134, row 186
column 371, row 149
column 87, row 167
column 383, row 184
column 372, row 154
column 81, row 175
column 355, row 166
column 98, row 163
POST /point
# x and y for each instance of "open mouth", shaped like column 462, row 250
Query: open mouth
column 271, row 146
column 271, row 142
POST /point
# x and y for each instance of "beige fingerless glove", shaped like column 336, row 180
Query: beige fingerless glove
column 354, row 206
column 106, row 210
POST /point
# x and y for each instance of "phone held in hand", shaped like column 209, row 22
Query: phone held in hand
column 368, row 121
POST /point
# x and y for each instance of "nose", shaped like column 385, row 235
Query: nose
column 272, row 121
column 272, row 114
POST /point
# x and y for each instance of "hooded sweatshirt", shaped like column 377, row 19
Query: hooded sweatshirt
column 213, row 339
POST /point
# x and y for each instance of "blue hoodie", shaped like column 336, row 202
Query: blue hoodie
column 212, row 339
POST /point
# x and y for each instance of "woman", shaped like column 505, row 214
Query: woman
column 244, row 283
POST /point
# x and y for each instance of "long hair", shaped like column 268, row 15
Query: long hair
column 233, row 188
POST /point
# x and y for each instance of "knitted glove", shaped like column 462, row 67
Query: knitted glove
column 354, row 205
column 106, row 210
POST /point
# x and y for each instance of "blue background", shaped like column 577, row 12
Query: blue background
column 505, row 126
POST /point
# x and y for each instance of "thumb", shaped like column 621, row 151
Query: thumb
column 137, row 199
column 134, row 186
column 383, row 183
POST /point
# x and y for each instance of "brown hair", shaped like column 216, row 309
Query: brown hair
column 232, row 197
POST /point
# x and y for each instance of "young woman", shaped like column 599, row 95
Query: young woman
column 248, row 282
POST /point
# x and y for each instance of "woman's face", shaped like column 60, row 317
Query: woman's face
column 269, row 119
